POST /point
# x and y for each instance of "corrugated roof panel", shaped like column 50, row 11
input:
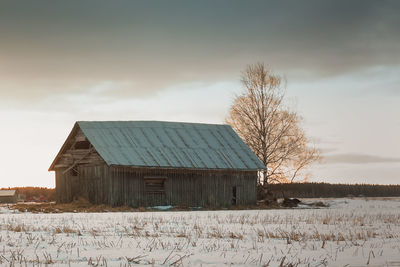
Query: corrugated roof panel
column 210, row 139
column 106, row 137
column 189, row 157
column 205, row 157
column 226, row 140
column 148, row 159
column 141, row 137
column 135, row 141
column 234, row 159
column 232, row 139
column 175, row 138
column 132, row 157
column 163, row 137
column 217, row 159
column 170, row 144
column 199, row 160
column 152, row 137
column 226, row 158
column 119, row 138
column 140, row 159
column 119, row 157
column 186, row 138
column 178, row 154
column 201, row 142
column 129, row 137
column 165, row 160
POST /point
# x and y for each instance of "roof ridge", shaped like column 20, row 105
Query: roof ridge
column 154, row 121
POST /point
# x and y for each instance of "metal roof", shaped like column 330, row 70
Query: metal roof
column 169, row 144
column 7, row 193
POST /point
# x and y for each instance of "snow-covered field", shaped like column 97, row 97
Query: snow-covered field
column 351, row 232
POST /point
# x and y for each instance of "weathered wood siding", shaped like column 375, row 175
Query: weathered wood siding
column 8, row 199
column 183, row 187
column 90, row 182
column 81, row 172
column 76, row 154
column 126, row 186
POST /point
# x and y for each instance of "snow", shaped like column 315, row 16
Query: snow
column 169, row 207
column 350, row 232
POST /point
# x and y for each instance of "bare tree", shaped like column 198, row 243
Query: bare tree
column 269, row 127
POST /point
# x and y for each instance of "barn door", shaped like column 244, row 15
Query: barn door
column 236, row 195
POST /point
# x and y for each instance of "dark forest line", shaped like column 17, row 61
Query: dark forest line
column 316, row 190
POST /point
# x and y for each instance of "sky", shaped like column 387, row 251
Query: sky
column 64, row 61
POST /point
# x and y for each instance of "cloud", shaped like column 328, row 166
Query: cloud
column 61, row 47
column 357, row 159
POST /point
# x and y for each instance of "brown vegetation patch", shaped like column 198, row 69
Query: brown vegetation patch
column 80, row 205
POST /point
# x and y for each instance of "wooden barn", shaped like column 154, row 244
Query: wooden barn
column 8, row 196
column 150, row 163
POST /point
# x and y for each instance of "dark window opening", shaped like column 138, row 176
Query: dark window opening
column 82, row 145
column 234, row 195
column 154, row 184
column 74, row 172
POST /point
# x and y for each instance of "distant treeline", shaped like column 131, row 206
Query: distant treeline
column 314, row 190
column 29, row 193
